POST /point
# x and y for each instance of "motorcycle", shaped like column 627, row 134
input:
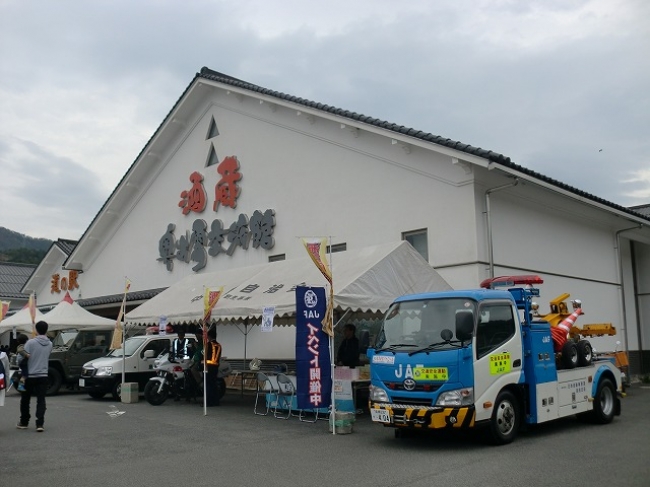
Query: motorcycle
column 175, row 378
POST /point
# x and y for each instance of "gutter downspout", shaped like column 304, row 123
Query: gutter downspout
column 639, row 330
column 489, row 220
column 620, row 278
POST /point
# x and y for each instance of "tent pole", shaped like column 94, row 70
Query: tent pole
column 245, row 340
column 331, row 340
column 205, row 368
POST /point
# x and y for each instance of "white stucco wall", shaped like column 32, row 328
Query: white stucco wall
column 319, row 179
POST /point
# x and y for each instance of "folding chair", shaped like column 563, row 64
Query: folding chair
column 285, row 394
column 309, row 412
column 264, row 387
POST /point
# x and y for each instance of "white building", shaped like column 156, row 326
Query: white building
column 308, row 169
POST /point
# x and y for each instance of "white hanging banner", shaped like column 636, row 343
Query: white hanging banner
column 162, row 325
column 267, row 318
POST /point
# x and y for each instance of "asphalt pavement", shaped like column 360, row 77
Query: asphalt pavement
column 99, row 443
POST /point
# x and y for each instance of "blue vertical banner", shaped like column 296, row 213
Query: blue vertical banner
column 313, row 367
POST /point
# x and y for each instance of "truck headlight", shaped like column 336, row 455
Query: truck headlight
column 105, row 370
column 378, row 394
column 458, row 397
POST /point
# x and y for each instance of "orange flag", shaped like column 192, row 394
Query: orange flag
column 316, row 250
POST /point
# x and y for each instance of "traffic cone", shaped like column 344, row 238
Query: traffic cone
column 559, row 333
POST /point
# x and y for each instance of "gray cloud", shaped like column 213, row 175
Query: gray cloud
column 46, row 194
column 548, row 84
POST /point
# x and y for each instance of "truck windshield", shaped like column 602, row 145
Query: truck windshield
column 64, row 338
column 131, row 345
column 429, row 324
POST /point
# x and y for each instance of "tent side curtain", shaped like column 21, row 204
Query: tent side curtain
column 366, row 281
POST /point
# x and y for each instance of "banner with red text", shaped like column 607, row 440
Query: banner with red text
column 313, row 366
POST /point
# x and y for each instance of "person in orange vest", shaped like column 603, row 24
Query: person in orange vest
column 212, row 359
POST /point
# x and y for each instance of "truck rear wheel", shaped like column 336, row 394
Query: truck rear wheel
column 604, row 402
column 506, row 418
column 569, row 355
column 585, row 353
column 54, row 381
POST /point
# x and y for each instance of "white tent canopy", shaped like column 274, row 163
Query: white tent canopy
column 365, row 280
column 21, row 320
column 68, row 314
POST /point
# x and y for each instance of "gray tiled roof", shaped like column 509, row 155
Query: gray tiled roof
column 12, row 279
column 67, row 246
column 117, row 298
column 642, row 209
column 436, row 139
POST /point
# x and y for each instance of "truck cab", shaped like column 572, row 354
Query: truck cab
column 464, row 359
column 71, row 349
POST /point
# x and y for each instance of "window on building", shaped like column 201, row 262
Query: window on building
column 341, row 247
column 418, row 239
column 277, row 258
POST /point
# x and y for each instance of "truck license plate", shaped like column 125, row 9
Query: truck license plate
column 380, row 415
column 82, row 383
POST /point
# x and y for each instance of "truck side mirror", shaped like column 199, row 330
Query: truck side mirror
column 148, row 354
column 464, row 325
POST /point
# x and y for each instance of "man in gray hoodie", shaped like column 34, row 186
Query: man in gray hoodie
column 39, row 349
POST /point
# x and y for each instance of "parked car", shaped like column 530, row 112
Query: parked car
column 103, row 375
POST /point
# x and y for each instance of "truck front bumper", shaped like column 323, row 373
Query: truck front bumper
column 425, row 417
column 96, row 384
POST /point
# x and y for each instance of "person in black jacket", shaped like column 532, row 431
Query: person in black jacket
column 348, row 353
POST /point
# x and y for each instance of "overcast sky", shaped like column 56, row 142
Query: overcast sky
column 561, row 87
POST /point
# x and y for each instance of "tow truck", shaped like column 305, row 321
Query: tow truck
column 466, row 359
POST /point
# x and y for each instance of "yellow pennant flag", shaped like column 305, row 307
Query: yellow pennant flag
column 118, row 334
column 31, row 304
column 316, row 250
column 210, row 299
column 4, row 308
column 329, row 314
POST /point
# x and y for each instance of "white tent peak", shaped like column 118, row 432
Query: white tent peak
column 21, row 320
column 365, row 280
column 69, row 314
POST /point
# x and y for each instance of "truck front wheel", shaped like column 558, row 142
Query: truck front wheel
column 604, row 402
column 506, row 417
column 116, row 390
column 54, row 381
